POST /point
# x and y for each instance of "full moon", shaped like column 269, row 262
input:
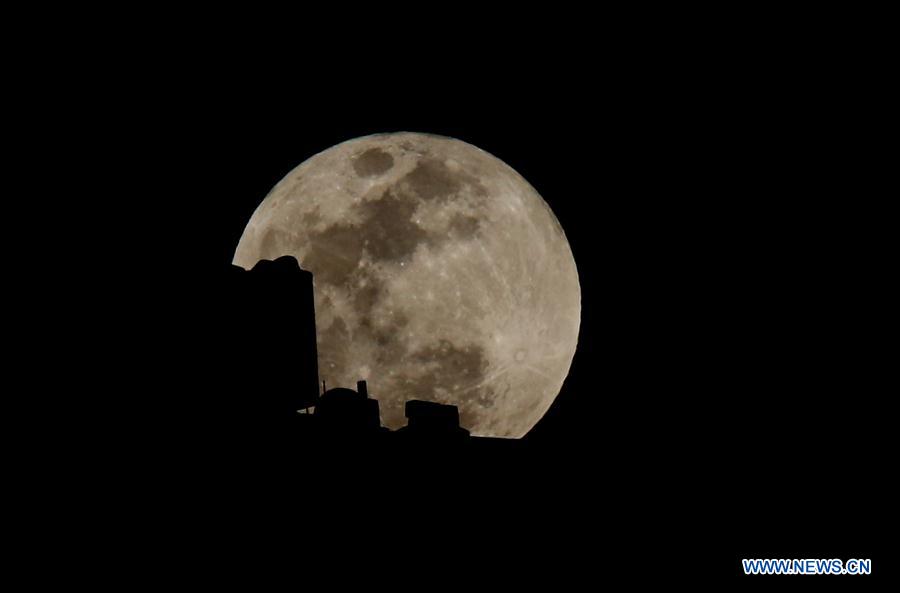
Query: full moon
column 439, row 274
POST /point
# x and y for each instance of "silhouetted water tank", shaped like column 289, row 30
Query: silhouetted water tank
column 432, row 419
column 347, row 410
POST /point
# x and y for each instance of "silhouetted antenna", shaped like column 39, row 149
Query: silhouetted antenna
column 323, row 387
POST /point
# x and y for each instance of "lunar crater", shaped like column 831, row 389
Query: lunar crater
column 373, row 162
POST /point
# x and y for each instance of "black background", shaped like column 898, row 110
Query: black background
column 719, row 178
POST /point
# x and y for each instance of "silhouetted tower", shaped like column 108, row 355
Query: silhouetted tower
column 276, row 342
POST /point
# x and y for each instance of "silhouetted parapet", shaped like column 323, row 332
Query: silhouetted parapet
column 432, row 421
column 347, row 411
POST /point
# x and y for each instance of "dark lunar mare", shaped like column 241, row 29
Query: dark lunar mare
column 388, row 234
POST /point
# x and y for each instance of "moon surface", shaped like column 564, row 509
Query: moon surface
column 440, row 274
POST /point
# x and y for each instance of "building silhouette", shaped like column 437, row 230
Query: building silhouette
column 344, row 410
column 432, row 421
column 275, row 391
column 278, row 314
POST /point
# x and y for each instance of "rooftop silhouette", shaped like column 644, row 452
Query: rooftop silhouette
column 277, row 389
column 432, row 420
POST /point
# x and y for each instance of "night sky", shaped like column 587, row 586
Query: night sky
column 721, row 201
